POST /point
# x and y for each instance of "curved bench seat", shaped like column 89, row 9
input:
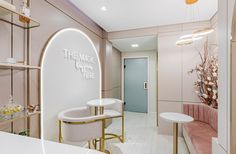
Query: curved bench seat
column 198, row 134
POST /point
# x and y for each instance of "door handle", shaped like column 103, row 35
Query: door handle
column 145, row 85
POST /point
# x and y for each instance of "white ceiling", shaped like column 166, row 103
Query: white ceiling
column 146, row 43
column 132, row 14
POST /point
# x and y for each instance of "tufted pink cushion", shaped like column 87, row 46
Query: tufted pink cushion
column 203, row 128
column 203, row 113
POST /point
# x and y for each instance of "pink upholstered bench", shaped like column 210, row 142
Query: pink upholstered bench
column 198, row 134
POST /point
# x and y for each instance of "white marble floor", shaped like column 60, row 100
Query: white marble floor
column 141, row 136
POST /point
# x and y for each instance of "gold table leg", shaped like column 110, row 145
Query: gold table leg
column 175, row 138
column 96, row 111
column 60, row 134
column 123, row 128
column 101, row 109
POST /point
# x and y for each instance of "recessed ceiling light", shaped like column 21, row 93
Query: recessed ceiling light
column 134, row 45
column 103, row 8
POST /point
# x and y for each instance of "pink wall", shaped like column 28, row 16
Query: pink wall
column 52, row 17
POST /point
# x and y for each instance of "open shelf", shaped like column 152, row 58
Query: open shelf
column 4, row 16
column 17, row 116
column 17, row 66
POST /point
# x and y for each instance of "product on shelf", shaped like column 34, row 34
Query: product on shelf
column 26, row 11
column 32, row 108
column 11, row 108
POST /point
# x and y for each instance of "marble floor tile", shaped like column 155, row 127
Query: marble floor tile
column 141, row 136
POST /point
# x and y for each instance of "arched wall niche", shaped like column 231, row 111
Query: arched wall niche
column 70, row 76
column 233, row 85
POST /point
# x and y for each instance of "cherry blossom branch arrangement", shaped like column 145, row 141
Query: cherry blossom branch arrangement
column 207, row 73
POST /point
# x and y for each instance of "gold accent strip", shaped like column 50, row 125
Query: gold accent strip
column 114, row 136
column 83, row 122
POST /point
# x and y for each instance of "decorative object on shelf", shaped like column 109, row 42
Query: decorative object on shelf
column 25, row 21
column 23, row 133
column 21, row 115
column 11, row 108
column 207, row 74
column 26, row 11
column 32, row 108
column 8, row 6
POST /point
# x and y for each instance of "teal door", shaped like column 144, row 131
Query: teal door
column 135, row 84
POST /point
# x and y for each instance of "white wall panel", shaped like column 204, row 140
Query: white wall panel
column 169, row 69
column 64, row 85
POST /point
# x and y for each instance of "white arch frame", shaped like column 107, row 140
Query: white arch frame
column 51, row 39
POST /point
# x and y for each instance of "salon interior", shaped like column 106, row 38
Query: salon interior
column 117, row 77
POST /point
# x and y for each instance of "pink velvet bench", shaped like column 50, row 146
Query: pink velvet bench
column 198, row 134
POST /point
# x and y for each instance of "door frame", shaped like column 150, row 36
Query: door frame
column 123, row 73
column 232, row 106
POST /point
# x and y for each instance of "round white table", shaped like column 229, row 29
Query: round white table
column 176, row 118
column 99, row 104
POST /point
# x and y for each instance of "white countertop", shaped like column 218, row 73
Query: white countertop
column 15, row 144
column 101, row 102
column 176, row 117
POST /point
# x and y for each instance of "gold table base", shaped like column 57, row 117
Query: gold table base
column 175, row 138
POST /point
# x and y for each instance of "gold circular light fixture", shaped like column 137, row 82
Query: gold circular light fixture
column 187, row 41
column 190, row 2
column 203, row 32
column 184, row 42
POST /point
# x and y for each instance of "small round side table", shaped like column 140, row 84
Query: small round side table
column 176, row 118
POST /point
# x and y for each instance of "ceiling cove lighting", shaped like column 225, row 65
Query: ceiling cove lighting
column 103, row 8
column 187, row 41
column 189, row 2
column 134, row 45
